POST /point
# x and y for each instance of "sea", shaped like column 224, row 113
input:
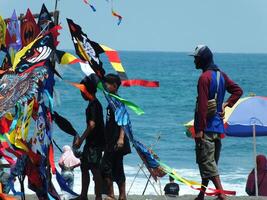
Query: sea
column 167, row 109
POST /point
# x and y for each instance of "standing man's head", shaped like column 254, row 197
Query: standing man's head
column 112, row 83
column 91, row 86
column 171, row 179
column 203, row 57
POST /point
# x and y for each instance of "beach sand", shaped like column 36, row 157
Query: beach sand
column 186, row 197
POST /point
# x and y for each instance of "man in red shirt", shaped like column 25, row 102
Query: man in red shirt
column 212, row 85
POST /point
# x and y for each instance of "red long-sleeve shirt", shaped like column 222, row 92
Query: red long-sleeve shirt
column 203, row 96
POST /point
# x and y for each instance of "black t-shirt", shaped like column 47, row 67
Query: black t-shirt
column 172, row 189
column 94, row 112
column 112, row 134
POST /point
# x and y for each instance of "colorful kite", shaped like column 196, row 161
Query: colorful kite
column 85, row 48
column 15, row 89
column 91, row 6
column 115, row 61
column 13, row 39
column 34, row 54
column 89, row 50
column 29, row 29
column 115, row 14
column 45, row 21
column 2, row 32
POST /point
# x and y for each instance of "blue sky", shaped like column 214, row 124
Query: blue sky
column 163, row 25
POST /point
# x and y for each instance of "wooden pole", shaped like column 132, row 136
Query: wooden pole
column 255, row 161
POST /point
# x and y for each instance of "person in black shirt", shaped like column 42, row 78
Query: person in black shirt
column 94, row 137
column 172, row 189
column 117, row 146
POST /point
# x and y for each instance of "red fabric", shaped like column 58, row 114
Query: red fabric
column 51, row 159
column 136, row 82
column 41, row 64
column 4, row 125
column 55, row 33
column 113, row 56
column 29, row 29
column 214, row 192
column 262, row 176
column 203, row 96
column 32, row 170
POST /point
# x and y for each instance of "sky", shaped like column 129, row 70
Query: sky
column 234, row 26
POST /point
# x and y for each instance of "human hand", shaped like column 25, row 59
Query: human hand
column 222, row 114
column 120, row 143
column 199, row 135
column 77, row 142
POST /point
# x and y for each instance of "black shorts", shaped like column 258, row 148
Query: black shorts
column 91, row 157
column 112, row 167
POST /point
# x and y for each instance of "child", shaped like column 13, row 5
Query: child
column 67, row 163
column 94, row 136
column 117, row 146
column 171, row 189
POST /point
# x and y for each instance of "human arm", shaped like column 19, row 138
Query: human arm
column 202, row 104
column 120, row 141
column 235, row 91
column 86, row 133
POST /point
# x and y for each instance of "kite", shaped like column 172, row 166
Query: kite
column 2, row 32
column 115, row 61
column 13, row 39
column 45, row 21
column 29, row 29
column 34, row 54
column 84, row 48
column 115, row 14
column 16, row 89
column 91, row 6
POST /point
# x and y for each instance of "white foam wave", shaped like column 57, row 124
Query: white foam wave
column 232, row 181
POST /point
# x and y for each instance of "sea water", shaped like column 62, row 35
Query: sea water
column 166, row 110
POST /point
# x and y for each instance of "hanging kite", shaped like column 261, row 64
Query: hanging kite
column 2, row 32
column 34, row 54
column 29, row 29
column 91, row 6
column 90, row 50
column 85, row 48
column 16, row 89
column 45, row 21
column 114, row 13
column 115, row 61
column 13, row 39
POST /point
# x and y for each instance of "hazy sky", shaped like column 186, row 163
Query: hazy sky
column 163, row 25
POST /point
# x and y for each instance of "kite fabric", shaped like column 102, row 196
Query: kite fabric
column 45, row 21
column 29, row 29
column 115, row 61
column 34, row 54
column 85, row 48
column 91, row 6
column 13, row 38
column 2, row 32
column 115, row 14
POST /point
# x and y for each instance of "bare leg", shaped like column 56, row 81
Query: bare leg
column 110, row 189
column 98, row 183
column 122, row 191
column 217, row 182
column 201, row 194
column 85, row 183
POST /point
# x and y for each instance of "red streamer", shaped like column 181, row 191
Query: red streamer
column 137, row 82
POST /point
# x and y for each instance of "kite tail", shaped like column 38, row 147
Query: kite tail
column 115, row 14
column 91, row 6
column 192, row 184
